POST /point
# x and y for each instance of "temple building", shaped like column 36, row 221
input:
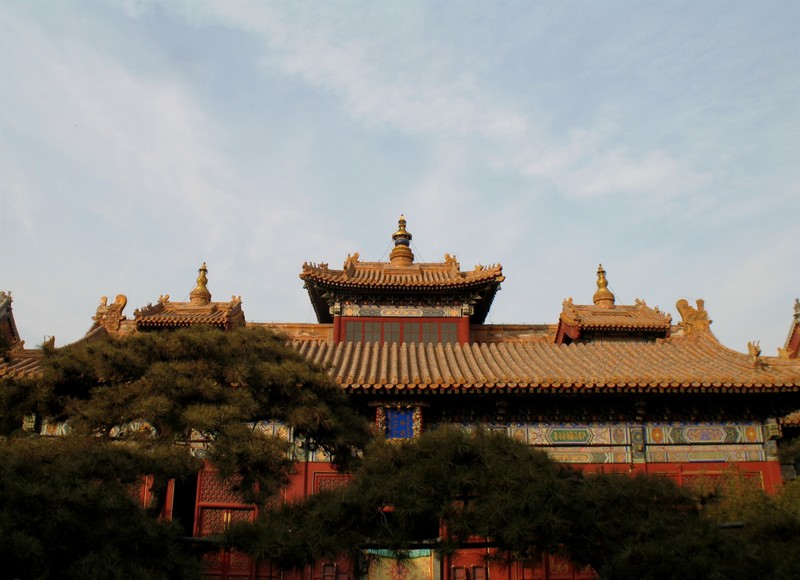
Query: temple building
column 605, row 387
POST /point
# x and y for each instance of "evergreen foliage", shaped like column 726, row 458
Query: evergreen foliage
column 450, row 489
column 68, row 509
column 130, row 405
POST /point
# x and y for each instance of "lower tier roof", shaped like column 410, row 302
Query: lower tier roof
column 679, row 363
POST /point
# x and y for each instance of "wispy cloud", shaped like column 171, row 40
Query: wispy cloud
column 385, row 81
column 139, row 138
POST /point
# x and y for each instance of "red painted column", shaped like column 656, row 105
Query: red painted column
column 463, row 330
column 337, row 328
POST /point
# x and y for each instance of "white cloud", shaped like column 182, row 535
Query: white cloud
column 139, row 139
column 384, row 82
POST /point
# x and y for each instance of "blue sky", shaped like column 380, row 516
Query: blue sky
column 140, row 139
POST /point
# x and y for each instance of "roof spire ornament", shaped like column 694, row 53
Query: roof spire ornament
column 603, row 298
column 401, row 254
column 200, row 296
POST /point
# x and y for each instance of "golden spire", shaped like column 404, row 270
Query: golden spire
column 200, row 296
column 603, row 298
column 401, row 254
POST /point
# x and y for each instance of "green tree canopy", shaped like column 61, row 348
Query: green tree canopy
column 215, row 383
column 451, row 489
column 68, row 510
column 130, row 405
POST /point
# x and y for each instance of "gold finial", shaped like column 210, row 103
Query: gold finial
column 402, row 233
column 401, row 254
column 200, row 296
column 603, row 298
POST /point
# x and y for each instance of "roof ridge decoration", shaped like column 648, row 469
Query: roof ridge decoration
column 453, row 262
column 603, row 298
column 9, row 336
column 401, row 281
column 200, row 296
column 605, row 316
column 754, row 350
column 401, row 254
column 569, row 314
column 198, row 311
column 791, row 348
column 350, row 262
column 109, row 316
column 694, row 320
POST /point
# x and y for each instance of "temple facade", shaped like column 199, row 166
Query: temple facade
column 605, row 387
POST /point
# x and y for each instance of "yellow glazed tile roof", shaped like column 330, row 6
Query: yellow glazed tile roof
column 637, row 317
column 199, row 310
column 680, row 363
column 400, row 272
column 384, row 275
column 605, row 315
column 181, row 314
column 21, row 364
column 358, row 280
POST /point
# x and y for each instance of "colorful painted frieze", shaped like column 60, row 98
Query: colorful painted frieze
column 598, row 454
column 706, row 433
column 705, row 453
column 554, row 435
column 374, row 311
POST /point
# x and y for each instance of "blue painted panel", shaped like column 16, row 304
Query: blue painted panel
column 399, row 423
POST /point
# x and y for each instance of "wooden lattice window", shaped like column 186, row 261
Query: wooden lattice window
column 393, row 331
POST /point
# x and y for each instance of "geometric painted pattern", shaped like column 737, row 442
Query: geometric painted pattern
column 707, row 433
column 633, row 443
column 537, row 434
column 704, row 453
column 599, row 454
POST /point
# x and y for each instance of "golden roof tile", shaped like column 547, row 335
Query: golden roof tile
column 384, row 275
column 21, row 364
column 200, row 310
column 621, row 317
column 677, row 363
column 606, row 315
column 401, row 275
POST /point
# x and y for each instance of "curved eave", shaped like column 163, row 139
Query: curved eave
column 627, row 328
column 565, row 388
column 180, row 323
column 316, row 290
column 439, row 286
column 22, row 364
column 669, row 365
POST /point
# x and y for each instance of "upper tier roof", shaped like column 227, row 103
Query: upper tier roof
column 400, row 275
column 198, row 311
column 383, row 276
column 622, row 318
column 605, row 317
